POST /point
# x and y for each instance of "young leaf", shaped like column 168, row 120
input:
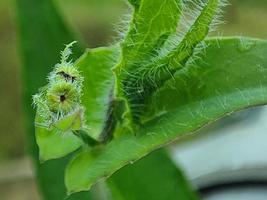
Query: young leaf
column 145, row 79
column 153, row 177
column 58, row 140
column 95, row 66
column 71, row 122
column 151, row 25
column 54, row 144
column 231, row 76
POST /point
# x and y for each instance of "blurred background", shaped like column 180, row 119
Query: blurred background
column 94, row 21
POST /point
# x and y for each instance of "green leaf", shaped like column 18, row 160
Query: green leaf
column 54, row 144
column 95, row 65
column 152, row 23
column 146, row 78
column 153, row 177
column 232, row 76
column 71, row 122
column 223, row 81
column 178, row 56
column 42, row 36
column 58, row 140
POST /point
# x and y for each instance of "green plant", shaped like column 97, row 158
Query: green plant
column 154, row 87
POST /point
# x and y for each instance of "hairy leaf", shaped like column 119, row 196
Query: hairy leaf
column 147, row 78
column 231, row 76
column 151, row 25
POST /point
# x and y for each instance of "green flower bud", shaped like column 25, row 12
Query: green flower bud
column 62, row 97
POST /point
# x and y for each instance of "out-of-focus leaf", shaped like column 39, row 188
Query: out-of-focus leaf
column 153, row 177
column 42, row 36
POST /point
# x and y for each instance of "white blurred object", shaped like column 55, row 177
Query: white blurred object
column 234, row 151
column 239, row 194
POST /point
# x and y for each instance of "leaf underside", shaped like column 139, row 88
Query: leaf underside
column 230, row 77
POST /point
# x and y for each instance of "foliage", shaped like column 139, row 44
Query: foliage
column 155, row 86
